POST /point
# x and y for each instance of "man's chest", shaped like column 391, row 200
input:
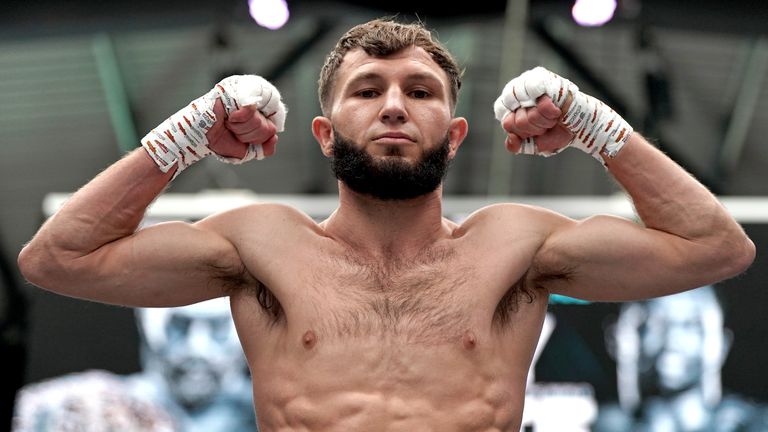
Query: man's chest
column 429, row 297
column 424, row 302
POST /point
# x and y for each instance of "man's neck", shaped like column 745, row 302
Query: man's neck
column 380, row 228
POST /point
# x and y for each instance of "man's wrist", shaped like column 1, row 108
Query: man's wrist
column 598, row 130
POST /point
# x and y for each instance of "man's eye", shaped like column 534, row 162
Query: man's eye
column 420, row 94
column 367, row 93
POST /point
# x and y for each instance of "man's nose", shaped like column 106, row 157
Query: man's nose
column 394, row 109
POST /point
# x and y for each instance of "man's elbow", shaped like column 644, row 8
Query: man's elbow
column 739, row 255
column 39, row 267
column 30, row 263
column 747, row 255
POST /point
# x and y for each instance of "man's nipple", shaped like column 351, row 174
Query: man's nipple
column 309, row 339
column 469, row 340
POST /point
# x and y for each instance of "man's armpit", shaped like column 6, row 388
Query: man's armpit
column 230, row 278
column 543, row 277
column 530, row 285
column 236, row 278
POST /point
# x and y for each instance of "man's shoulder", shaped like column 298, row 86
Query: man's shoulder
column 273, row 212
column 262, row 218
column 511, row 215
column 508, row 226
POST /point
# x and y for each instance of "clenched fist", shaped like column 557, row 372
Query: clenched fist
column 236, row 121
column 543, row 113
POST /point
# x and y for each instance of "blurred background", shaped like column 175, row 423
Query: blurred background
column 82, row 81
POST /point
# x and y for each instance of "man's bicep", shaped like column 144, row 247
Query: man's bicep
column 613, row 259
column 168, row 264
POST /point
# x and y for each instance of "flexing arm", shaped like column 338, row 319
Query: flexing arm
column 687, row 238
column 90, row 248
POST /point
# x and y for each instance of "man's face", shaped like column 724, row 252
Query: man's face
column 392, row 130
column 195, row 349
column 672, row 344
column 199, row 351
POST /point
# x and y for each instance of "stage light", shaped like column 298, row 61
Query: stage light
column 593, row 13
column 271, row 14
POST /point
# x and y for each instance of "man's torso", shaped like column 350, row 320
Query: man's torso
column 441, row 340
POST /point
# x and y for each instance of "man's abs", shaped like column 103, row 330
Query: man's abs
column 365, row 383
column 380, row 364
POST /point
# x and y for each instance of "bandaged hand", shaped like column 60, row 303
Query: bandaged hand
column 530, row 111
column 239, row 116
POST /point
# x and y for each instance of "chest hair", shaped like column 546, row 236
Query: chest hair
column 420, row 299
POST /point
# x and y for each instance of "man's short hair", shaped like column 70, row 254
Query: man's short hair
column 380, row 38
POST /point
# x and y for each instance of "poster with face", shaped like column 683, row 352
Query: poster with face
column 693, row 361
column 192, row 376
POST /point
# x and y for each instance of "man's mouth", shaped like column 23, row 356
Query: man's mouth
column 394, row 138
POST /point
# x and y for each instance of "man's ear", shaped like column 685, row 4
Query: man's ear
column 457, row 131
column 322, row 129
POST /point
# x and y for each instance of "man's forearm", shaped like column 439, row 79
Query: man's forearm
column 109, row 207
column 669, row 199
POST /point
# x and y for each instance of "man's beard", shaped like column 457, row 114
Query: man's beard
column 391, row 178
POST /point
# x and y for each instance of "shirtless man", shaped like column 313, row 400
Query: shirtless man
column 387, row 316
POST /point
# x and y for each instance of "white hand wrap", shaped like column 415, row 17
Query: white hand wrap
column 596, row 127
column 181, row 137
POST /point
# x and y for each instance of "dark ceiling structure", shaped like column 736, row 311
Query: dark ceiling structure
column 24, row 18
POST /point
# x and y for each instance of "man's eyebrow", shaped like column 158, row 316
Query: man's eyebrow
column 413, row 77
column 363, row 77
column 424, row 77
